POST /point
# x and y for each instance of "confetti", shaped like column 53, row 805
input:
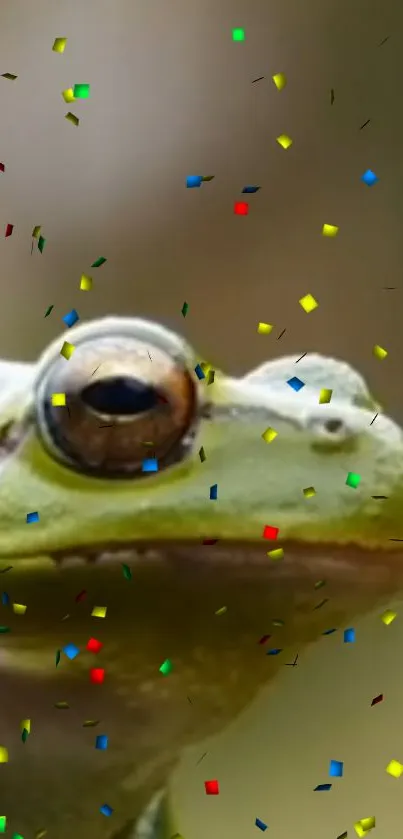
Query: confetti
column 319, row 584
column 99, row 612
column 296, row 383
column 9, row 230
column 394, row 768
column 10, row 76
column 264, row 639
column 388, row 617
column 238, row 34
column 5, row 599
column 202, row 455
column 25, row 725
column 309, row 492
column 269, row 435
column 3, row 824
column 150, row 464
column 264, row 328
column 90, row 723
column 185, row 309
column 207, row 178
column 67, row 350
column 40, row 834
column 278, row 622
column 193, row 181
column 336, row 769
column 71, row 318
column 81, row 91
column 49, row 310
column 276, row 554
column 94, row 646
column 270, row 532
column 32, row 518
column 71, row 651
column 214, row 492
column 279, row 80
column 4, row 629
column 274, row 651
column 85, row 283
column 331, row 96
column 58, row 400
column 221, row 611
column 330, row 230
column 106, row 810
column 24, row 735
column 59, row 45
column 57, row 657
column 379, row 352
column 261, row 825
column 19, row 608
column 308, row 304
column 212, row 787
column 36, row 231
column 166, row 667
column 2, row 169
column 325, row 396
column 98, row 262
column 68, row 95
column 353, row 480
column 199, row 372
column 377, row 699
column 284, row 141
column 3, row 754
column 97, row 675
column 241, row 208
column 101, row 742
column 349, row 636
column 369, row 178
column 322, row 603
column 126, row 572
column 250, row 190
column 329, row 631
column 41, row 244
column 323, row 788
column 72, row 118
column 363, row 826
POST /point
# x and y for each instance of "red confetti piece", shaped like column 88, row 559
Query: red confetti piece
column 264, row 638
column 270, row 532
column 2, row 167
column 377, row 699
column 241, row 208
column 209, row 541
column 94, row 646
column 81, row 596
column 211, row 787
column 97, row 675
column 9, row 230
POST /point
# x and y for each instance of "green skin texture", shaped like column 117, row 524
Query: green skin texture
column 57, row 780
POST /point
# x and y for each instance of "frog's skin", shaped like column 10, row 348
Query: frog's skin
column 80, row 468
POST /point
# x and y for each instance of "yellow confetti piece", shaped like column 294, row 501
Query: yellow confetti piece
column 269, row 435
column 36, row 231
column 279, row 80
column 72, row 118
column 330, row 230
column 40, row 834
column 276, row 554
column 325, row 396
column 388, row 617
column 264, row 328
column 379, row 352
column 363, row 826
column 25, row 724
column 99, row 612
column 58, row 399
column 67, row 350
column 59, row 45
column 284, row 141
column 308, row 303
column 85, row 283
column 19, row 608
column 68, row 95
column 309, row 492
column 3, row 754
column 394, row 768
column 221, row 611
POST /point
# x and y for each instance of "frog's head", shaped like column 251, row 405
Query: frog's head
column 132, row 394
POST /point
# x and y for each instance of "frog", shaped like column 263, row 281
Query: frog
column 168, row 533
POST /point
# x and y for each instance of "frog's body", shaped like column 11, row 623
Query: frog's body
column 130, row 384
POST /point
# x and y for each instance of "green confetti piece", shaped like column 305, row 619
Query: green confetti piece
column 202, row 455
column 24, row 735
column 17, row 836
column 4, row 629
column 126, row 572
column 98, row 262
column 221, row 611
column 185, row 309
column 48, row 310
column 238, row 34
column 81, row 91
column 320, row 584
column 353, row 480
column 9, row 76
column 57, row 657
column 3, row 824
column 41, row 244
column 210, row 377
column 166, row 667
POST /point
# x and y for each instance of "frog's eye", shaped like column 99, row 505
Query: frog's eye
column 125, row 402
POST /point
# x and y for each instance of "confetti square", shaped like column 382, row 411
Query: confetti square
column 3, row 824
column 238, row 35
column 68, row 95
column 269, row 435
column 10, row 76
column 3, row 754
column 72, row 118
column 212, row 787
column 202, row 455
column 388, row 617
column 270, row 532
column 36, row 231
column 106, row 810
column 150, row 464
column 166, row 667
column 279, row 80
column 349, row 636
column 284, row 141
column 336, row 769
column 71, row 318
column 369, row 178
column 9, row 230
column 19, row 608
column 58, row 400
column 323, row 788
column 353, row 480
column 264, row 328
column 85, row 283
column 25, row 725
column 276, row 554
column 214, row 492
column 200, row 372
column 193, row 181
column 67, row 350
column 261, row 825
column 274, row 651
column 394, row 768
column 97, row 675
column 32, row 518
column 377, row 699
column 99, row 612
column 241, row 208
column 325, row 396
column 363, row 826
column 81, row 91
column 71, row 651
column 101, row 742
column 94, row 646
column 308, row 303
column 296, row 383
column 185, row 309
column 41, row 244
column 379, row 352
column 59, row 45
column 250, row 190
column 330, row 230
column 309, row 492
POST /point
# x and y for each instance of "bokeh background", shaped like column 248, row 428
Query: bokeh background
column 171, row 96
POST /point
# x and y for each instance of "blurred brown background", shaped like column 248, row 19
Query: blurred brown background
column 171, row 96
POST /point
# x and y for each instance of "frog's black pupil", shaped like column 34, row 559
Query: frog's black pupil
column 333, row 426
column 120, row 396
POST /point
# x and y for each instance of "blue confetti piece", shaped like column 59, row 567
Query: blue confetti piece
column 101, row 742
column 261, row 825
column 251, row 189
column 323, row 788
column 349, row 636
column 296, row 383
column 5, row 599
column 336, row 768
column 274, row 651
column 71, row 318
column 369, row 178
column 106, row 810
column 199, row 372
column 214, row 492
column 329, row 631
column 32, row 518
column 150, row 465
column 194, row 181
column 71, row 651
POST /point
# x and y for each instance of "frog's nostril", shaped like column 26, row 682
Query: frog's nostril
column 120, row 396
column 333, row 426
